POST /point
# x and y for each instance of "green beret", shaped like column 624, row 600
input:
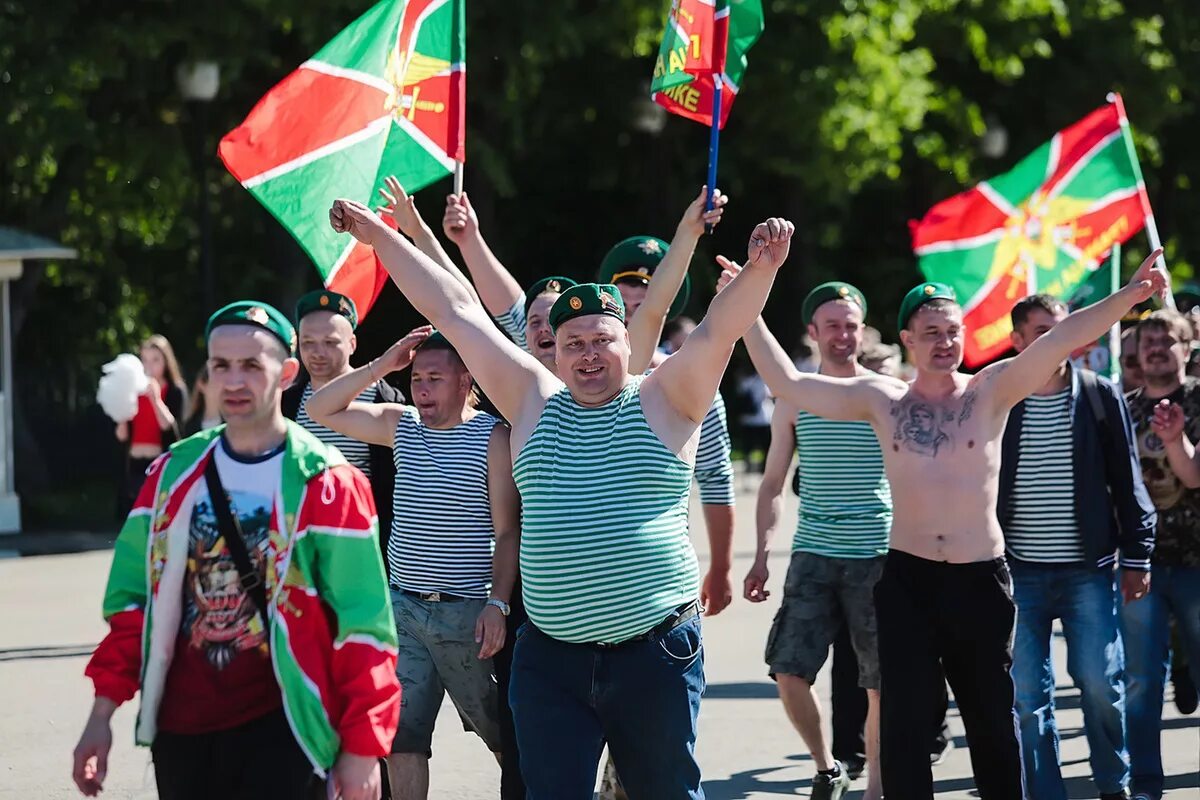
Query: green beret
column 436, row 341
column 585, row 299
column 1187, row 297
column 636, row 259
column 325, row 300
column 555, row 283
column 920, row 295
column 260, row 315
column 834, row 290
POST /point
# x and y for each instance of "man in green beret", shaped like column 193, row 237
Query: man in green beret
column 453, row 544
column 944, row 601
column 327, row 322
column 247, row 600
column 839, row 544
column 603, row 464
column 630, row 266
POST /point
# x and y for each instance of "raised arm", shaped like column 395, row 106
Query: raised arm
column 852, row 399
column 511, row 378
column 497, row 287
column 645, row 329
column 334, row 404
column 1034, row 365
column 689, row 379
column 769, row 501
column 401, row 208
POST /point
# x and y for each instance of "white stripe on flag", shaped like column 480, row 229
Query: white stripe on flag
column 372, row 129
column 1055, row 155
column 420, row 138
column 1082, row 162
column 341, row 260
column 349, row 74
column 961, row 244
column 996, row 199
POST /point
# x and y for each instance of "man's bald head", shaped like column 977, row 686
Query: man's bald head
column 326, row 343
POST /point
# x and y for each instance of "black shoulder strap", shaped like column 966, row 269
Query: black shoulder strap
column 231, row 529
column 1091, row 390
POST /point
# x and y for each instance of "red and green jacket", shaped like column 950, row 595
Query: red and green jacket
column 332, row 634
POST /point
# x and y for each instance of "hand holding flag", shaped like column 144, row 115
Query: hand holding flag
column 1150, row 279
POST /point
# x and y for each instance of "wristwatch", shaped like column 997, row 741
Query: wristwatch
column 500, row 604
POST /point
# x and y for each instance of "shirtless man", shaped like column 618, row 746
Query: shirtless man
column 944, row 601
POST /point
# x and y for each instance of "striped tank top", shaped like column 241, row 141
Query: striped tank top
column 356, row 452
column 845, row 497
column 1042, row 526
column 442, row 537
column 605, row 554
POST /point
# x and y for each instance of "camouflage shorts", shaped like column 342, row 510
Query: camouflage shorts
column 438, row 655
column 819, row 596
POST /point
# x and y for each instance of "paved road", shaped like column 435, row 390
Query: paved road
column 747, row 748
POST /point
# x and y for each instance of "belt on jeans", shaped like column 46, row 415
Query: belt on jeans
column 432, row 597
column 681, row 615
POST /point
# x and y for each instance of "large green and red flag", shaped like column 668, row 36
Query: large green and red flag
column 1044, row 226
column 383, row 97
column 704, row 39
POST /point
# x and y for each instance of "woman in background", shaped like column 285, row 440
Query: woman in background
column 203, row 409
column 156, row 423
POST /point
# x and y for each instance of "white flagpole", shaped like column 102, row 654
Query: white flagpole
column 1114, row 333
column 1147, row 212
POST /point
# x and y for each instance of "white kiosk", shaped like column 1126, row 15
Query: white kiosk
column 16, row 247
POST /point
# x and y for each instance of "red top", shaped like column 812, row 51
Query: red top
column 144, row 427
column 202, row 696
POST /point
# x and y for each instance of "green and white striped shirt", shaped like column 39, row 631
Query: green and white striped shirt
column 845, row 497
column 605, row 554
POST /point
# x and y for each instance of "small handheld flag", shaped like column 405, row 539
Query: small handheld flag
column 701, row 62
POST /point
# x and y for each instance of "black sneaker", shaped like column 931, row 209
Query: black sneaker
column 855, row 768
column 831, row 784
column 1185, row 691
column 1121, row 795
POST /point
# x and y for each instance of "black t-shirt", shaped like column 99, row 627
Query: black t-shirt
column 1177, row 537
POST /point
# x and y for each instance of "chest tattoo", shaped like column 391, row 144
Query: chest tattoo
column 929, row 429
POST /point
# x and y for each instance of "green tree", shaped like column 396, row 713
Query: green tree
column 855, row 116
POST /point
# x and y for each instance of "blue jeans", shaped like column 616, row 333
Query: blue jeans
column 1146, row 627
column 1086, row 600
column 641, row 698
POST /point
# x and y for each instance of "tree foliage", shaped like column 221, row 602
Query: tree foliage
column 855, row 116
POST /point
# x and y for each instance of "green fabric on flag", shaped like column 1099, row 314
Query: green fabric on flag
column 1018, row 183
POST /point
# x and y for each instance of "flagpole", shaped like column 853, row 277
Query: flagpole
column 459, row 33
column 1143, row 196
column 1114, row 333
column 714, row 143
